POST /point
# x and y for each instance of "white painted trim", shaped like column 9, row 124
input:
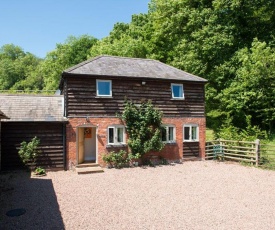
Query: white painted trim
column 167, row 134
column 197, row 132
column 181, row 85
column 115, row 135
column 111, row 91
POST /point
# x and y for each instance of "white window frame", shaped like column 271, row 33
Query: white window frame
column 115, row 127
column 166, row 127
column 191, row 139
column 181, row 85
column 102, row 95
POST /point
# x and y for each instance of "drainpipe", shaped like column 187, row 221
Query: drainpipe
column 64, row 146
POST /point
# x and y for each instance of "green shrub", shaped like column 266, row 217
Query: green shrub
column 116, row 159
column 28, row 152
column 40, row 171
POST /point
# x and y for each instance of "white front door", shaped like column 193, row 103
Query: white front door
column 89, row 144
column 86, row 144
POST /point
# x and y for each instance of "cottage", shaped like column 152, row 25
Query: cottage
column 94, row 93
column 30, row 116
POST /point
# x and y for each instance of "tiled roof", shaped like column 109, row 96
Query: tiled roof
column 2, row 115
column 131, row 67
column 32, row 107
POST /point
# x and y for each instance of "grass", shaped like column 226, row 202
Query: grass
column 268, row 153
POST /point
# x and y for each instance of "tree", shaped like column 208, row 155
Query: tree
column 252, row 92
column 17, row 69
column 127, row 40
column 72, row 52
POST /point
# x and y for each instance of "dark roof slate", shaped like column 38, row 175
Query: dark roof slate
column 32, row 107
column 114, row 66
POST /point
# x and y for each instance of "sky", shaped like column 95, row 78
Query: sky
column 38, row 25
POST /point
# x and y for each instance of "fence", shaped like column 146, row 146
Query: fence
column 242, row 151
column 267, row 159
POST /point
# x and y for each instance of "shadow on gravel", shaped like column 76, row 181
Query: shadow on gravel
column 18, row 191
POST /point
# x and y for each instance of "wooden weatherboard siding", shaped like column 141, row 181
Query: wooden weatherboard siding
column 81, row 100
column 51, row 143
column 191, row 149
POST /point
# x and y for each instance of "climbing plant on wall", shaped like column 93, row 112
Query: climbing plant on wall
column 143, row 125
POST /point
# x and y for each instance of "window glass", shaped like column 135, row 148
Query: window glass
column 111, row 135
column 194, row 133
column 104, row 88
column 191, row 133
column 116, row 135
column 171, row 133
column 120, row 135
column 168, row 133
column 163, row 134
column 186, row 132
column 177, row 90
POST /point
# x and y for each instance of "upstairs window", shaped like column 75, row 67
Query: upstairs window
column 116, row 135
column 104, row 88
column 177, row 91
column 191, row 132
column 168, row 134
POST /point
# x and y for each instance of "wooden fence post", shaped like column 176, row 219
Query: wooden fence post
column 257, row 143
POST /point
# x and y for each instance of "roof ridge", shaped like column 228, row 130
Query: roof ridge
column 105, row 55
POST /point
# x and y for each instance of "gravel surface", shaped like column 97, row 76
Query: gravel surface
column 192, row 195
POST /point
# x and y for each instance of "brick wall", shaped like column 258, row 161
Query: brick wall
column 172, row 151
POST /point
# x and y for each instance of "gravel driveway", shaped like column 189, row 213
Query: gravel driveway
column 192, row 195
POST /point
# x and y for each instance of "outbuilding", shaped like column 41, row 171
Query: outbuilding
column 30, row 116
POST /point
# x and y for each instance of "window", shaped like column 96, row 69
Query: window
column 104, row 88
column 177, row 91
column 191, row 133
column 168, row 133
column 116, row 135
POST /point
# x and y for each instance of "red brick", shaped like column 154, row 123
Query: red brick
column 172, row 152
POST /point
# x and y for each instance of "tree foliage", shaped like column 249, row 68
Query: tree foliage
column 72, row 52
column 17, row 69
column 230, row 43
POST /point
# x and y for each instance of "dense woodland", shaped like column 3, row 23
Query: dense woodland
column 230, row 43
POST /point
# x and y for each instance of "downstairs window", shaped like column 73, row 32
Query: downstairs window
column 191, row 133
column 168, row 134
column 116, row 135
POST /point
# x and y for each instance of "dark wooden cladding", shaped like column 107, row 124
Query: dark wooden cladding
column 51, row 143
column 191, row 149
column 80, row 93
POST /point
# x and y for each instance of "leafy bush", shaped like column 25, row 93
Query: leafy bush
column 250, row 133
column 40, row 171
column 28, row 152
column 116, row 159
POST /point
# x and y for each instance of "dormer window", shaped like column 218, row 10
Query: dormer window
column 103, row 88
column 177, row 91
